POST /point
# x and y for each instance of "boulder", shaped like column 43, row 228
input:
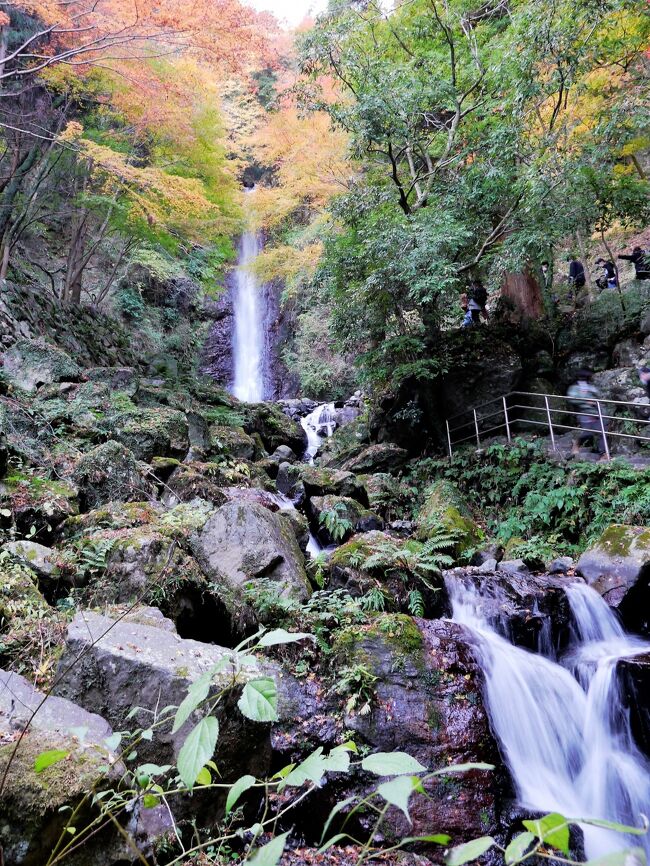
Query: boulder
column 232, row 442
column 444, row 509
column 514, row 566
column 253, row 494
column 29, row 364
column 627, row 353
column 39, row 502
column 561, row 565
column 385, row 457
column 531, row 610
column 123, row 379
column 110, row 472
column 289, row 482
column 336, row 482
column 338, row 518
column 191, row 481
column 275, row 427
column 113, row 515
column 242, row 542
column 149, row 433
column 19, row 594
column 617, row 566
column 121, row 665
column 35, row 807
column 32, row 555
column 282, row 453
column 418, row 690
column 622, row 384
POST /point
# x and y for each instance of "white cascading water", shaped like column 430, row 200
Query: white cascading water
column 562, row 726
column 318, row 425
column 248, row 337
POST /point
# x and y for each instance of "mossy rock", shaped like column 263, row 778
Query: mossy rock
column 383, row 457
column 321, row 481
column 149, row 433
column 339, row 517
column 19, row 594
column 274, row 427
column 196, row 480
column 108, row 473
column 37, row 501
column 29, row 364
column 395, row 632
column 445, row 510
column 617, row 566
column 112, row 515
column 232, row 442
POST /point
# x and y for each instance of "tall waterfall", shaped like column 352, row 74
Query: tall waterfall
column 249, row 340
column 563, row 730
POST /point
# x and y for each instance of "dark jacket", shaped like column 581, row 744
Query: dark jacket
column 576, row 273
column 641, row 262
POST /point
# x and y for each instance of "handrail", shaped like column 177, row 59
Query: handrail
column 600, row 414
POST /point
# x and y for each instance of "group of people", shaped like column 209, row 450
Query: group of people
column 608, row 276
column 584, row 394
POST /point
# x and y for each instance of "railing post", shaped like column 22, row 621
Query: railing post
column 451, row 454
column 505, row 415
column 550, row 422
column 602, row 429
column 478, row 441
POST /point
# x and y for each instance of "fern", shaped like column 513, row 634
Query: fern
column 415, row 603
column 336, row 521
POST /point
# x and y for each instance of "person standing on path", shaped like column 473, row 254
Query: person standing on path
column 583, row 394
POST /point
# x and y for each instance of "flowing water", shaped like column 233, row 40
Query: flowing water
column 318, row 425
column 249, row 339
column 562, row 726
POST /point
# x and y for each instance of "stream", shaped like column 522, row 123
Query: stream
column 561, row 723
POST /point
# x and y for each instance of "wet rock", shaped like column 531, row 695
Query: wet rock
column 514, row 566
column 32, row 555
column 561, row 565
column 444, row 509
column 489, row 552
column 289, row 482
column 616, row 566
column 339, row 517
column 232, row 442
column 242, row 542
column 275, row 427
column 120, row 665
column 150, row 433
column 29, row 364
column 110, row 472
column 284, row 453
column 385, row 457
column 634, row 681
column 531, row 610
column 488, row 566
column 299, row 526
column 336, row 482
column 35, row 807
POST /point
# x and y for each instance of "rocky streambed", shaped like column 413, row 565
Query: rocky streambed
column 149, row 530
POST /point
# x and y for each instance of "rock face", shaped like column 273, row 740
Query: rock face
column 531, row 610
column 385, row 457
column 122, row 665
column 275, row 428
column 35, row 807
column 244, row 541
column 29, row 364
column 444, row 509
column 348, row 516
column 148, row 433
column 490, row 373
column 110, row 472
column 617, row 566
column 336, row 482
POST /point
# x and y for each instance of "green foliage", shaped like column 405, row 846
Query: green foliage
column 358, row 684
column 336, row 521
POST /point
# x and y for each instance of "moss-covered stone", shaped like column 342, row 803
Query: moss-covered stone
column 113, row 515
column 151, row 432
column 38, row 501
column 274, row 427
column 232, row 442
column 29, row 364
column 109, row 473
column 615, row 566
column 19, row 594
column 339, row 517
column 445, row 510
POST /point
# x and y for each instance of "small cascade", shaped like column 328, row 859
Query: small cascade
column 318, row 425
column 562, row 727
column 248, row 337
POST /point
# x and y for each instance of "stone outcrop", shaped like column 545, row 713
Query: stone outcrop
column 110, row 472
column 30, row 364
column 337, row 518
column 444, row 509
column 384, row 457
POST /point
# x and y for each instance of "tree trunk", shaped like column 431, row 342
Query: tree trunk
column 523, row 290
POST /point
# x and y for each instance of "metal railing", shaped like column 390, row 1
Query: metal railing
column 513, row 413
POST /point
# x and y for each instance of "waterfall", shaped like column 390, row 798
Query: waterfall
column 248, row 337
column 562, row 728
column 318, row 425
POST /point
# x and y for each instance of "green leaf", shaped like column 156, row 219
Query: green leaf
column 552, row 829
column 518, row 847
column 342, row 804
column 113, row 741
column 312, row 769
column 333, row 841
column 338, row 760
column 469, row 851
column 612, row 825
column 196, row 694
column 204, row 777
column 281, row 636
column 437, row 838
column 259, row 700
column 398, row 791
column 270, row 854
column 47, row 759
column 237, row 789
column 150, row 801
column 392, row 764
column 197, row 750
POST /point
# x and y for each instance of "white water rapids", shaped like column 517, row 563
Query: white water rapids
column 562, row 726
column 248, row 337
column 318, row 425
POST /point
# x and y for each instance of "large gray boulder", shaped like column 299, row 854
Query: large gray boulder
column 111, row 472
column 617, row 566
column 112, row 667
column 244, row 541
column 35, row 806
column 384, row 457
column 39, row 558
column 29, row 364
